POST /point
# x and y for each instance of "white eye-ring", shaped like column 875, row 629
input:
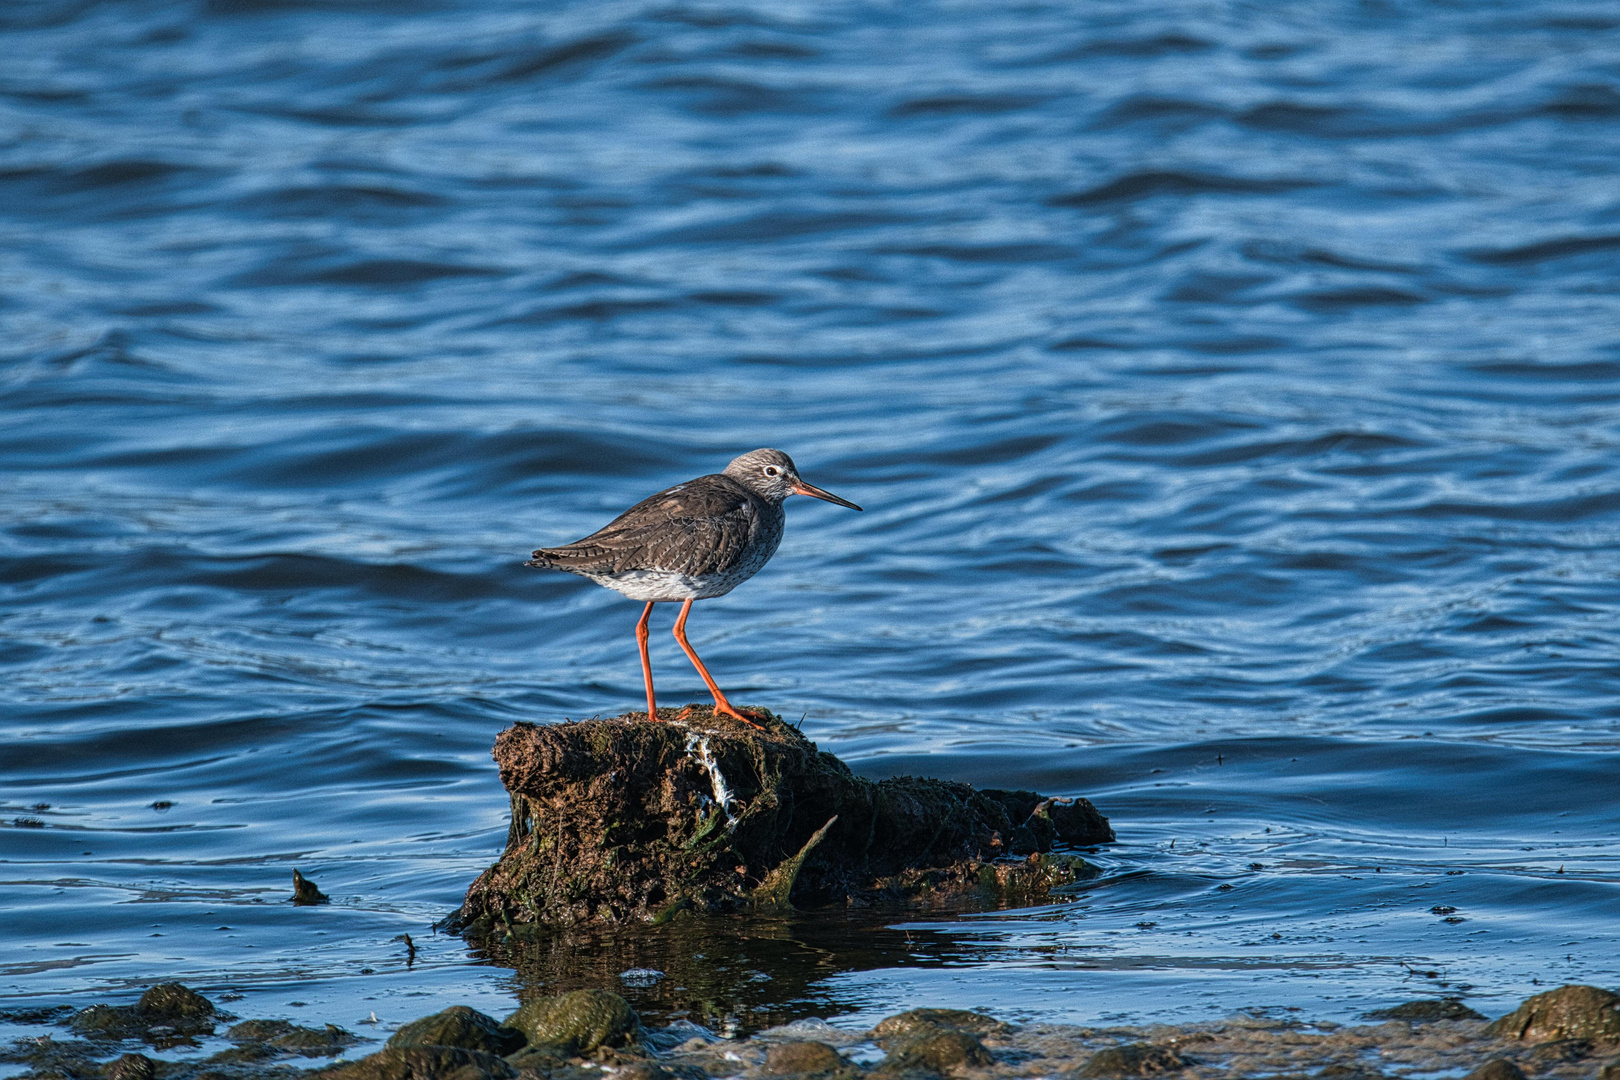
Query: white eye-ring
column 772, row 470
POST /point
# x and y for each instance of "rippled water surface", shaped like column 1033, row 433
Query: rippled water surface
column 1233, row 390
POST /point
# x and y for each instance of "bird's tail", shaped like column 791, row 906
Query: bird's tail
column 573, row 558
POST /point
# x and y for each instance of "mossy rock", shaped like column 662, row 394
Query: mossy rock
column 176, row 1005
column 617, row 821
column 267, row 1038
column 577, row 1022
column 424, row 1063
column 1132, row 1059
column 540, row 1059
column 104, row 1022
column 936, row 1049
column 314, row 1042
column 259, row 1030
column 181, row 1010
column 1499, row 1069
column 463, row 1027
column 131, row 1067
column 805, row 1058
column 1558, row 1052
column 246, row 1053
column 1427, row 1009
column 909, row 1023
column 1569, row 1012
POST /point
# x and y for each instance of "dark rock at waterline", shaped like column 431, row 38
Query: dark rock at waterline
column 1132, row 1059
column 1499, row 1069
column 424, row 1063
column 1427, row 1009
column 167, row 1012
column 1558, row 1052
column 1354, row 1071
column 617, row 820
column 264, row 1038
column 460, row 1026
column 648, row 1070
column 936, row 1049
column 807, row 1058
column 132, row 1067
column 577, row 1022
column 1569, row 1012
column 1611, row 1071
column 906, row 1024
column 48, row 1014
column 305, row 892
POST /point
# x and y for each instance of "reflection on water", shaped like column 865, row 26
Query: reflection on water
column 1233, row 394
column 733, row 975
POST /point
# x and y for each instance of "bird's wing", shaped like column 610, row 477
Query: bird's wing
column 701, row 527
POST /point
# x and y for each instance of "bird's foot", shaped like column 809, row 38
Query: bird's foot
column 724, row 708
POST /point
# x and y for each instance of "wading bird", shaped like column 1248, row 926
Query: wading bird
column 690, row 542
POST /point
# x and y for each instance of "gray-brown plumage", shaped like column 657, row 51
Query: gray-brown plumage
column 695, row 540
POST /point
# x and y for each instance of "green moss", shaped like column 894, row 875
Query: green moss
column 906, row 1024
column 1131, row 1059
column 425, row 1063
column 806, row 1059
column 1569, row 1012
column 1427, row 1009
column 460, row 1026
column 577, row 1022
column 937, row 1049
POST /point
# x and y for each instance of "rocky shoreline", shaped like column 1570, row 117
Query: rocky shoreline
column 1571, row 1032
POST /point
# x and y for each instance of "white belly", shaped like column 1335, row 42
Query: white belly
column 670, row 585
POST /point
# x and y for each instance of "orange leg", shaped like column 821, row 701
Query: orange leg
column 721, row 705
column 646, row 663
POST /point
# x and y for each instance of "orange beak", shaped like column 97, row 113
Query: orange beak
column 802, row 488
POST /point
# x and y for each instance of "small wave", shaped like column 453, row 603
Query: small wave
column 1169, row 44
column 965, row 105
column 345, row 200
column 359, row 273
column 1562, row 247
column 1365, row 296
column 1155, row 182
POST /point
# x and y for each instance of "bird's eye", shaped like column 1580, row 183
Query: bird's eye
column 772, row 470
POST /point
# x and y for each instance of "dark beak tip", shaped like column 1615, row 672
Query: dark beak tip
column 814, row 492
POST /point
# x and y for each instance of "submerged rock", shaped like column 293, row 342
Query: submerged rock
column 936, row 1049
column 168, row 1012
column 806, row 1058
column 1499, row 1069
column 616, row 820
column 909, row 1023
column 577, row 1022
column 424, row 1063
column 132, row 1067
column 1569, row 1012
column 1132, row 1059
column 305, row 891
column 1427, row 1009
column 264, row 1039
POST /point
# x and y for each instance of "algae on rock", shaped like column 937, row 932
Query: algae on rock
column 1569, row 1012
column 626, row 820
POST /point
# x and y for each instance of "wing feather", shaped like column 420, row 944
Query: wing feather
column 702, row 527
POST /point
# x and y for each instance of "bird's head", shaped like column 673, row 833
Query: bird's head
column 772, row 475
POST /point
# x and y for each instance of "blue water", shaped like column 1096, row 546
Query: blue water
column 1233, row 390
